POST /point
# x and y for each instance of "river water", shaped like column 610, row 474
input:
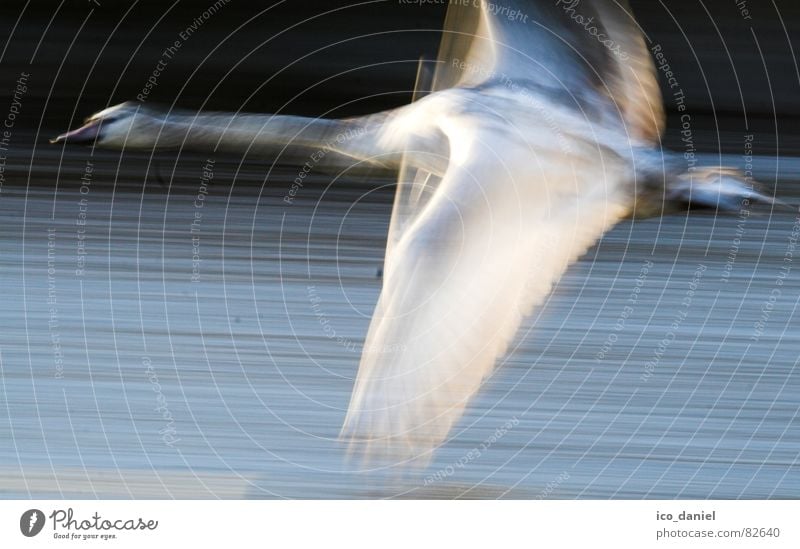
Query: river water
column 153, row 348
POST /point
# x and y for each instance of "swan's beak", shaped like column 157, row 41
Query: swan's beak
column 84, row 134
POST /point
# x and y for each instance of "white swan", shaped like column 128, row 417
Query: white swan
column 542, row 133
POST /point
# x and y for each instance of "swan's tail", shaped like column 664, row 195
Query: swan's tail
column 724, row 189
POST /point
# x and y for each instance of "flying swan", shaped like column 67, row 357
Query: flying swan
column 540, row 131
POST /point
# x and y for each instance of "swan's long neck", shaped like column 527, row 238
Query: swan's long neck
column 233, row 132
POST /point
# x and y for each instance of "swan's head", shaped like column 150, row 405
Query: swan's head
column 127, row 124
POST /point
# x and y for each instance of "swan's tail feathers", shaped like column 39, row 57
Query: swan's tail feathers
column 719, row 188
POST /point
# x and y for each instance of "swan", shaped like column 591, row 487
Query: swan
column 537, row 130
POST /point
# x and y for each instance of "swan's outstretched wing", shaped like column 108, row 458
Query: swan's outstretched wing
column 486, row 246
column 415, row 183
column 580, row 55
column 588, row 57
column 584, row 52
column 633, row 85
column 473, row 249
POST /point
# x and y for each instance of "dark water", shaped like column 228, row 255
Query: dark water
column 130, row 369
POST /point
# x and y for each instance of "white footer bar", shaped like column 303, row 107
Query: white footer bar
column 400, row 524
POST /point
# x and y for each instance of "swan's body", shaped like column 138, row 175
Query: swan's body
column 537, row 139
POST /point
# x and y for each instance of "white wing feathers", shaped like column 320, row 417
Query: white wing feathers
column 587, row 51
column 483, row 250
column 528, row 187
column 633, row 86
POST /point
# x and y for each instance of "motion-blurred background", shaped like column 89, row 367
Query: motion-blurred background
column 346, row 57
column 123, row 377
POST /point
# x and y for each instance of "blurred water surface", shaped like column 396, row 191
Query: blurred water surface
column 663, row 365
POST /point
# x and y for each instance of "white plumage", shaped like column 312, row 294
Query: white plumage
column 537, row 134
column 539, row 166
